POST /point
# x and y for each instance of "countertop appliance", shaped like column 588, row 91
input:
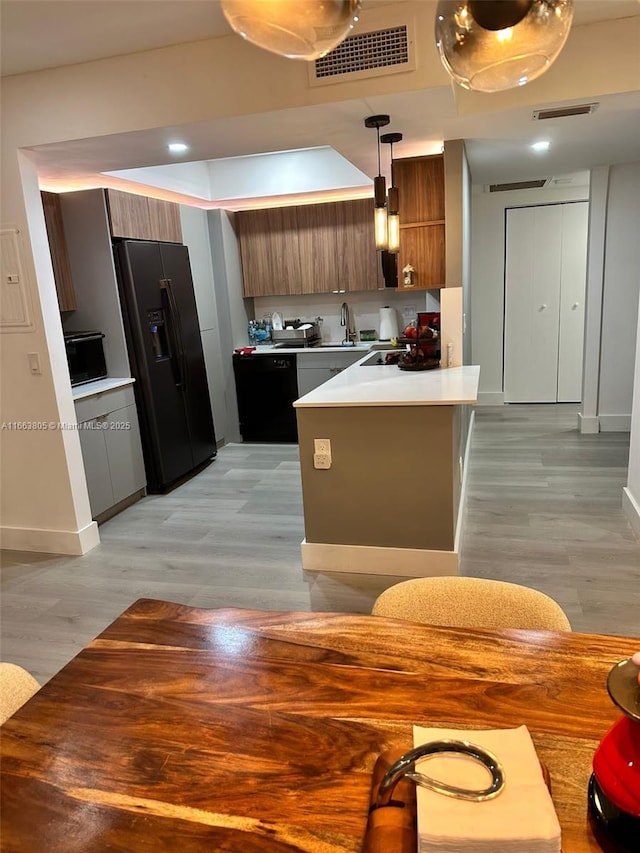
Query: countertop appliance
column 297, row 333
column 388, row 323
column 85, row 356
column 267, row 387
column 165, row 351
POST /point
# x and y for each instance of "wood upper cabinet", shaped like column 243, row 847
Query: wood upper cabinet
column 359, row 265
column 58, row 249
column 315, row 248
column 420, row 182
column 269, row 251
column 164, row 219
column 137, row 217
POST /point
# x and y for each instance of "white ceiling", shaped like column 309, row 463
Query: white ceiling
column 42, row 33
column 39, row 34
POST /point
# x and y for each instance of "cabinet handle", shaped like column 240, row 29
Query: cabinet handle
column 575, row 305
column 543, row 306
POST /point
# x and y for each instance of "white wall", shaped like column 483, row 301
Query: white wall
column 233, row 311
column 631, row 495
column 620, row 297
column 456, row 306
column 43, row 485
column 487, row 276
column 44, row 505
column 90, row 251
column 364, row 307
column 195, row 235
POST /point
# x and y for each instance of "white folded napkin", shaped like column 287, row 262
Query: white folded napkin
column 521, row 818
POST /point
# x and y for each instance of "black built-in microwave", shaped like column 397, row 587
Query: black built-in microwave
column 85, row 356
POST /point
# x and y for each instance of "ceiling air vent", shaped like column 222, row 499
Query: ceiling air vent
column 365, row 55
column 564, row 112
column 517, row 185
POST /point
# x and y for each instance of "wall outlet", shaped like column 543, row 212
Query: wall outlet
column 409, row 313
column 321, row 461
column 322, row 445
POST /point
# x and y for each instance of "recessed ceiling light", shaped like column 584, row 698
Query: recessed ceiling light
column 543, row 145
column 177, row 147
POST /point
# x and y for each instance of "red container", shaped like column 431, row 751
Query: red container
column 429, row 333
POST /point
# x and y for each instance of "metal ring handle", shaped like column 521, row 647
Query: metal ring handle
column 405, row 766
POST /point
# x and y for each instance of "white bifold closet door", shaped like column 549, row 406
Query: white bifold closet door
column 545, row 277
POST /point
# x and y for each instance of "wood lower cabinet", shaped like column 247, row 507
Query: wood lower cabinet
column 316, row 248
column 421, row 190
column 136, row 217
column 58, row 248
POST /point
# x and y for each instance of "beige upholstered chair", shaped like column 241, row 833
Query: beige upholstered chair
column 471, row 603
column 16, row 687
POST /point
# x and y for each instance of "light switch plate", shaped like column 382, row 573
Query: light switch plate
column 34, row 362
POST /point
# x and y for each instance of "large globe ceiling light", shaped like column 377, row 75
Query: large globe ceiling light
column 297, row 29
column 493, row 45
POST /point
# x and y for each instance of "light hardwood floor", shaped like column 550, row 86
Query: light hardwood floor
column 544, row 509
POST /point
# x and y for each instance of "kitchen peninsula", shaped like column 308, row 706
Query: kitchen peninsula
column 391, row 500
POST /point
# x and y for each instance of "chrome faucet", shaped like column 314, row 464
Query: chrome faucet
column 345, row 320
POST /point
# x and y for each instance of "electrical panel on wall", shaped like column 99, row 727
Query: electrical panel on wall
column 15, row 314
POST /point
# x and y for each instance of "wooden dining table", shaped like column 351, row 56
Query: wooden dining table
column 183, row 729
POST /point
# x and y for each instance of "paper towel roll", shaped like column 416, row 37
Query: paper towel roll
column 388, row 323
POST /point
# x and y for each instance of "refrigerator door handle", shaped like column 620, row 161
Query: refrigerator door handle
column 176, row 333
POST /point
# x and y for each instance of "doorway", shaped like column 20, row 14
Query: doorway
column 545, row 280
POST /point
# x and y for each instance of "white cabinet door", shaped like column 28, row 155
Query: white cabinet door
column 111, row 447
column 532, row 303
column 545, row 278
column 572, row 296
column 311, row 377
column 124, row 453
column 96, row 465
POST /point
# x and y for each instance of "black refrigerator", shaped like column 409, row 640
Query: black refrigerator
column 165, row 352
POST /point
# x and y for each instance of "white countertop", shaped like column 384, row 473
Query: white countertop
column 387, row 385
column 89, row 389
column 270, row 349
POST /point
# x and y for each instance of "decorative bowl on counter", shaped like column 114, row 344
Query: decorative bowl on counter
column 416, row 359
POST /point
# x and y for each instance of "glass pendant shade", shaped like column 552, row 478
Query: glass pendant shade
column 297, row 29
column 380, row 212
column 393, row 221
column 493, row 57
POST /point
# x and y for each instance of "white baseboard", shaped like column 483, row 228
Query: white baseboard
column 631, row 508
column 615, row 423
column 490, row 398
column 375, row 560
column 588, row 424
column 463, row 486
column 73, row 542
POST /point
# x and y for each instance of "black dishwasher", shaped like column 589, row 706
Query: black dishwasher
column 267, row 386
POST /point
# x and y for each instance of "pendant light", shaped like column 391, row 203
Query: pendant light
column 297, row 29
column 379, row 188
column 393, row 214
column 493, row 45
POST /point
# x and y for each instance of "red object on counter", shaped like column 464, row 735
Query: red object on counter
column 617, row 765
column 244, row 350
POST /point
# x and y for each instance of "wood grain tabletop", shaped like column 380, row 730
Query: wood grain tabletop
column 182, row 729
